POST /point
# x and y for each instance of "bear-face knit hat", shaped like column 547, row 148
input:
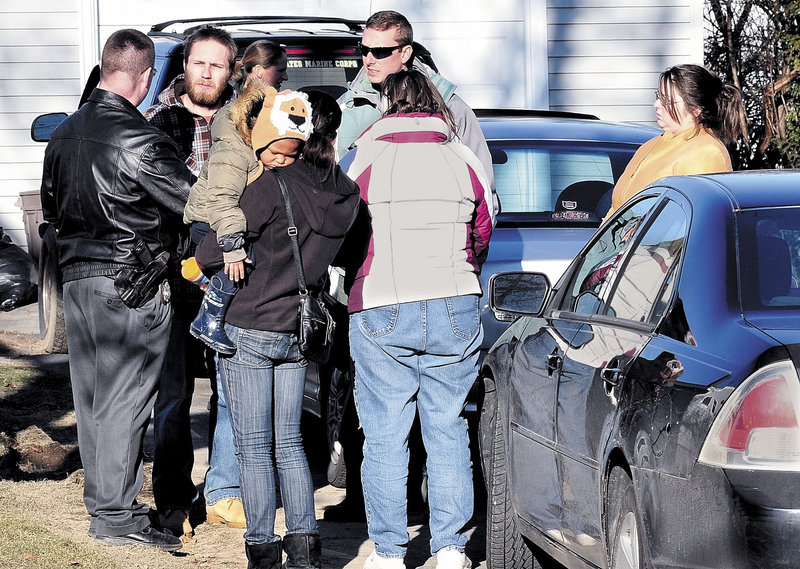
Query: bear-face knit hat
column 284, row 115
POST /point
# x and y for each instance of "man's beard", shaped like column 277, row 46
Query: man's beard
column 202, row 97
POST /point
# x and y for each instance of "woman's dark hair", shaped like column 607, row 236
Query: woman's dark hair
column 326, row 116
column 410, row 91
column 719, row 103
column 262, row 52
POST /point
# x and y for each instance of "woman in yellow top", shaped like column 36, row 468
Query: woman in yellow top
column 699, row 115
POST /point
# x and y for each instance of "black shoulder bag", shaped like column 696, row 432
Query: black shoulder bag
column 315, row 324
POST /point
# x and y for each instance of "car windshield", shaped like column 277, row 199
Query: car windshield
column 563, row 182
column 769, row 258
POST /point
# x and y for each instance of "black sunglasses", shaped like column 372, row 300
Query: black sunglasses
column 378, row 52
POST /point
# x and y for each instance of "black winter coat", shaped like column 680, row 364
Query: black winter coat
column 110, row 177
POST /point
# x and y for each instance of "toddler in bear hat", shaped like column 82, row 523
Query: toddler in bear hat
column 283, row 116
column 269, row 131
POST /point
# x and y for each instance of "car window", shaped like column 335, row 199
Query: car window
column 649, row 270
column 570, row 181
column 590, row 285
column 769, row 258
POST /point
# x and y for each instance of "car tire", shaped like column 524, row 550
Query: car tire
column 505, row 547
column 339, row 397
column 625, row 528
column 52, row 330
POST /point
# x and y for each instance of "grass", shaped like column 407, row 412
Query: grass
column 26, row 545
column 14, row 376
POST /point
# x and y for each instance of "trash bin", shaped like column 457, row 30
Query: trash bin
column 31, row 204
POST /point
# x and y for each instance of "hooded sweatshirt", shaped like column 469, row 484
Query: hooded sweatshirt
column 323, row 213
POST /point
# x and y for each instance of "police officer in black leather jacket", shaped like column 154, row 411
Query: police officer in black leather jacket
column 114, row 187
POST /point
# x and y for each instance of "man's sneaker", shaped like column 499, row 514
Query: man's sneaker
column 148, row 537
column 375, row 561
column 228, row 511
column 452, row 559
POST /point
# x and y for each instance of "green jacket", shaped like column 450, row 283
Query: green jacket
column 231, row 165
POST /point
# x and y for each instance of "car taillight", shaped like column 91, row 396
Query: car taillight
column 759, row 425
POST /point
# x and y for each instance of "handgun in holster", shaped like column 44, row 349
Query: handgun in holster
column 137, row 285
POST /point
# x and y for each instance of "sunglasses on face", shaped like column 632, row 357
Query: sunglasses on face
column 378, row 52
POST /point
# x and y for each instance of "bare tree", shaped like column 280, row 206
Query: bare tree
column 754, row 45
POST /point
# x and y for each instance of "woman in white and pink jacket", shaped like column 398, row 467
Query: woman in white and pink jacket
column 415, row 327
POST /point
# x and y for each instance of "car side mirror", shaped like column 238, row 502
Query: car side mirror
column 517, row 294
column 44, row 125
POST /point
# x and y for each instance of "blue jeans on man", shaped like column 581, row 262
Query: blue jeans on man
column 222, row 477
column 416, row 357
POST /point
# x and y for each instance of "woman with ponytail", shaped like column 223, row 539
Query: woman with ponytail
column 699, row 115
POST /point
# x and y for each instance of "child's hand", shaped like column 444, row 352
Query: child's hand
column 235, row 271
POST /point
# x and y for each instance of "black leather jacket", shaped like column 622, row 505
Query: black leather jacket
column 110, row 177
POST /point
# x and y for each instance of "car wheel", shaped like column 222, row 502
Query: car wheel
column 52, row 329
column 505, row 547
column 339, row 397
column 624, row 530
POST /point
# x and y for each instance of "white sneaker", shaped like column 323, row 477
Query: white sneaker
column 375, row 561
column 452, row 559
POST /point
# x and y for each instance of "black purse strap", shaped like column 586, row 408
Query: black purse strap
column 301, row 276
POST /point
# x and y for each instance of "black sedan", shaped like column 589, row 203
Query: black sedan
column 644, row 412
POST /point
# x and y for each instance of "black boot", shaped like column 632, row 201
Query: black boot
column 303, row 551
column 263, row 555
column 209, row 326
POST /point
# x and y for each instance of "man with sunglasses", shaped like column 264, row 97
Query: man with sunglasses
column 386, row 48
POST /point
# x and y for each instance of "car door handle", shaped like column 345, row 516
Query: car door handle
column 611, row 375
column 554, row 362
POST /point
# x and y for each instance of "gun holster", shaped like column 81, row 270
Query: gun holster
column 137, row 285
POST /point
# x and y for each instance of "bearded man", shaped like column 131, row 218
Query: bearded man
column 184, row 112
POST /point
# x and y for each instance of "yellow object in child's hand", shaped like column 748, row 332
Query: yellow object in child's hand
column 191, row 271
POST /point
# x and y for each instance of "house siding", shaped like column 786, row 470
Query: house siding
column 41, row 74
column 602, row 57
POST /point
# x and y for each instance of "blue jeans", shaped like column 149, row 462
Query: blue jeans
column 416, row 357
column 264, row 381
column 222, row 476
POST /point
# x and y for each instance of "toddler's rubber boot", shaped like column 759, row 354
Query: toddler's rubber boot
column 209, row 326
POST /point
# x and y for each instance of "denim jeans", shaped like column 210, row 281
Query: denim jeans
column 264, row 381
column 222, row 476
column 416, row 357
